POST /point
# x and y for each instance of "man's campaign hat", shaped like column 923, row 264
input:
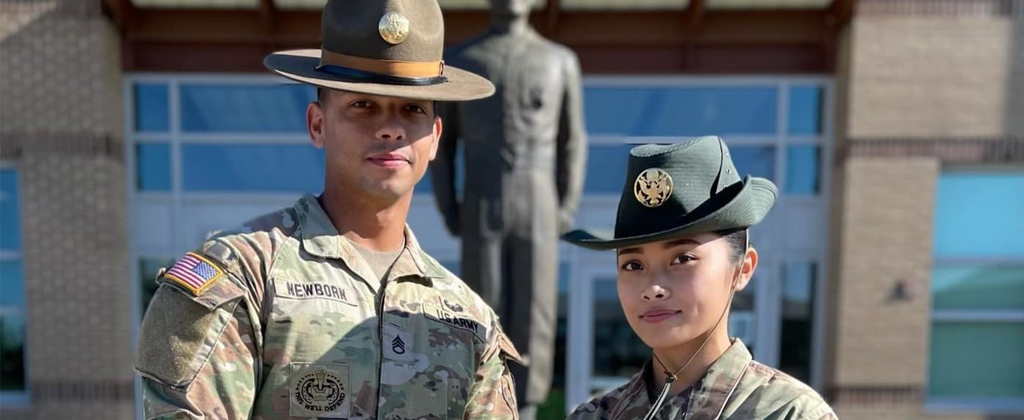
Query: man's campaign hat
column 381, row 47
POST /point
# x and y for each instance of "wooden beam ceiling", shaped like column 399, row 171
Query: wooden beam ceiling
column 694, row 40
column 120, row 11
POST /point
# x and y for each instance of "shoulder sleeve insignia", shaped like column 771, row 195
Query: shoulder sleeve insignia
column 194, row 272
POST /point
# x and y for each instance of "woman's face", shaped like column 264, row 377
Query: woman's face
column 673, row 291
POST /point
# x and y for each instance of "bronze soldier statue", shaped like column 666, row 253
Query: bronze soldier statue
column 524, row 159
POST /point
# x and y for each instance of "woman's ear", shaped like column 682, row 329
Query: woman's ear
column 747, row 267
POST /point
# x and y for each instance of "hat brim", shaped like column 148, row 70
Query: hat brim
column 747, row 208
column 300, row 66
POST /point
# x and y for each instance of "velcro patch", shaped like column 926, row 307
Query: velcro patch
column 457, row 320
column 194, row 272
column 320, row 390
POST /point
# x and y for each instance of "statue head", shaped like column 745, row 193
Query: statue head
column 511, row 8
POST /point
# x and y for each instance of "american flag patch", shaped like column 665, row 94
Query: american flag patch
column 194, row 272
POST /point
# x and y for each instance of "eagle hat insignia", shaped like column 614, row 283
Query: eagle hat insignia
column 393, row 27
column 653, row 187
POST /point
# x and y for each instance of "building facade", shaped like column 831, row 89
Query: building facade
column 892, row 277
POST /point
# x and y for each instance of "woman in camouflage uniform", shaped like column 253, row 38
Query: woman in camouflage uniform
column 683, row 252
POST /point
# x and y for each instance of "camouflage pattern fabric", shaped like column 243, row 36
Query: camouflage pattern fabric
column 734, row 387
column 299, row 327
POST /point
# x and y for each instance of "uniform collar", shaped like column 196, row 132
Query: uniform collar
column 321, row 238
column 721, row 379
column 704, row 402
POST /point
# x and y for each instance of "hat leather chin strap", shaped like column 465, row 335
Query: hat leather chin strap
column 670, row 377
column 362, row 69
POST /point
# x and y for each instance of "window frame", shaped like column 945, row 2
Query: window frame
column 946, row 405
column 807, row 248
column 17, row 399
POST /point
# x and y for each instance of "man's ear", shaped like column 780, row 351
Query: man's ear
column 438, row 128
column 315, row 124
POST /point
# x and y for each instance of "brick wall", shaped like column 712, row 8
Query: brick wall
column 921, row 85
column 60, row 122
column 936, row 76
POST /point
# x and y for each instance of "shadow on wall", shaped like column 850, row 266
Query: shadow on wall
column 1015, row 85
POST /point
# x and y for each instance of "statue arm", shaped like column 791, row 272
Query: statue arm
column 443, row 167
column 572, row 144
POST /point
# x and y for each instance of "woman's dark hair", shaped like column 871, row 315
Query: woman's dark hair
column 737, row 239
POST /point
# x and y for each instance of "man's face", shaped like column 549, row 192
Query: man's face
column 377, row 145
column 511, row 7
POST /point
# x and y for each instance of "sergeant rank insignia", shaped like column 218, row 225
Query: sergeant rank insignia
column 194, row 272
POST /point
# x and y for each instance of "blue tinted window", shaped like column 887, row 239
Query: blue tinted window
column 980, row 215
column 12, row 353
column 974, row 359
column 805, row 104
column 151, row 107
column 425, row 186
column 12, row 285
column 253, row 167
column 754, row 160
column 606, row 169
column 681, row 111
column 10, row 222
column 245, row 108
column 153, row 167
column 802, row 169
column 978, row 287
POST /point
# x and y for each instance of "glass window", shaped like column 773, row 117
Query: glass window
column 12, row 353
column 681, row 111
column 153, row 166
column 256, row 108
column 10, row 220
column 976, row 359
column 805, row 105
column 803, row 170
column 754, row 160
column 606, row 169
column 12, row 285
column 151, row 108
column 742, row 322
column 994, row 205
column 978, row 286
column 618, row 351
column 977, row 334
column 12, row 288
column 252, row 168
column 798, row 284
column 148, row 270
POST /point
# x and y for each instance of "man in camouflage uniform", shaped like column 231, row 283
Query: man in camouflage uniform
column 329, row 308
column 733, row 388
